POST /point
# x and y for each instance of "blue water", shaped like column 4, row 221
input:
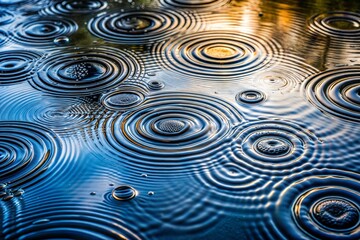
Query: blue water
column 179, row 119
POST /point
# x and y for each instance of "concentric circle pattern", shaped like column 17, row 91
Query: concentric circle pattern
column 275, row 147
column 123, row 99
column 321, row 207
column 140, row 27
column 70, row 7
column 26, row 151
column 85, row 71
column 250, row 96
column 41, row 32
column 344, row 25
column 123, row 193
column 169, row 129
column 217, row 55
column 194, row 4
column 16, row 65
column 286, row 76
column 336, row 92
column 156, row 85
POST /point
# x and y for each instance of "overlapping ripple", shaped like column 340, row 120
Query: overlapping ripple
column 322, row 206
column 336, row 92
column 186, row 208
column 234, row 189
column 4, row 37
column 250, row 97
column 139, row 27
column 67, row 115
column 169, row 131
column 275, row 147
column 26, row 151
column 6, row 17
column 75, row 72
column 217, row 55
column 16, row 65
column 40, row 32
column 12, row 2
column 56, row 218
column 195, row 4
column 70, row 7
column 339, row 24
column 286, row 76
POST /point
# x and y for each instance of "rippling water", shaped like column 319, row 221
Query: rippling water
column 179, row 119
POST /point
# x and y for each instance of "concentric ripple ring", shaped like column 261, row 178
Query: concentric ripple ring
column 336, row 92
column 344, row 25
column 275, row 147
column 139, row 27
column 16, row 65
column 41, row 31
column 70, row 7
column 217, row 55
column 196, row 5
column 320, row 206
column 27, row 150
column 85, row 71
column 167, row 130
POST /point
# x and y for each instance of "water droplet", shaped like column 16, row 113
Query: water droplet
column 156, row 85
column 151, row 193
column 250, row 96
column 62, row 40
column 124, row 192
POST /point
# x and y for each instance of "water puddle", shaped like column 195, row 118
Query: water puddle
column 179, row 119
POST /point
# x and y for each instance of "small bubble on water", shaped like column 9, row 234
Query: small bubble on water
column 151, row 193
column 62, row 40
column 93, row 193
column 144, row 175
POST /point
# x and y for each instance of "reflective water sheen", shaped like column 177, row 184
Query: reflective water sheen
column 179, row 119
